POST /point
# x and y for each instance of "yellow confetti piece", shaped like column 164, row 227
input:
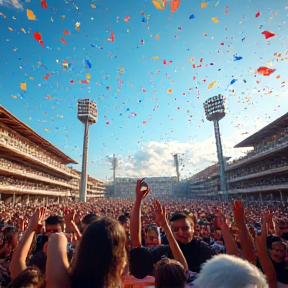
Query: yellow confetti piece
column 11, row 29
column 204, row 4
column 169, row 91
column 31, row 15
column 23, row 30
column 278, row 77
column 156, row 58
column 211, row 85
column 269, row 63
column 215, row 20
column 157, row 37
column 23, row 86
column 47, row 129
column 93, row 6
column 88, row 76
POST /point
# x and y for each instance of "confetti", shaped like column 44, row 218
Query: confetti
column 257, row 14
column 265, row 71
column 44, row 4
column 31, row 15
column 215, row 20
column 159, row 4
column 211, row 85
column 204, row 4
column 23, row 86
column 268, row 34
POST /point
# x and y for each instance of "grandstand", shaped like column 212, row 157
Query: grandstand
column 160, row 186
column 261, row 174
column 30, row 165
column 264, row 169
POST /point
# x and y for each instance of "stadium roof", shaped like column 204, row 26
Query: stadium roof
column 15, row 124
column 269, row 130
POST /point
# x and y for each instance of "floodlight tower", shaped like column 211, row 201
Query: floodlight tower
column 87, row 114
column 114, row 166
column 176, row 164
column 215, row 110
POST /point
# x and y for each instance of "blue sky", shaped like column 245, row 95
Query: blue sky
column 139, row 120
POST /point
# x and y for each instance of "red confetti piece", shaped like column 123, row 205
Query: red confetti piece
column 38, row 38
column 47, row 76
column 112, row 37
column 164, row 62
column 66, row 32
column 268, row 34
column 257, row 14
column 72, row 81
column 265, row 71
column 127, row 18
column 44, row 4
column 63, row 41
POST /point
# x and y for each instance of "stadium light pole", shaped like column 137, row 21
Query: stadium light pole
column 215, row 111
column 176, row 164
column 87, row 114
column 114, row 166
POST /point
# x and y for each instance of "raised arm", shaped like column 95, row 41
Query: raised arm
column 230, row 243
column 135, row 217
column 265, row 262
column 246, row 239
column 57, row 262
column 161, row 220
column 18, row 262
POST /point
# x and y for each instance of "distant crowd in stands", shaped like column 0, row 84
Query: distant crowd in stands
column 278, row 141
column 11, row 139
column 258, row 168
column 170, row 243
column 21, row 169
column 25, row 184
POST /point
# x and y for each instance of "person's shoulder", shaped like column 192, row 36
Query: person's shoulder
column 201, row 245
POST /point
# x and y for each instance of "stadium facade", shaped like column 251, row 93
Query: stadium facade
column 261, row 174
column 160, row 186
column 30, row 165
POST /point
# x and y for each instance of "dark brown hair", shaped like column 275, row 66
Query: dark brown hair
column 169, row 273
column 102, row 246
column 28, row 277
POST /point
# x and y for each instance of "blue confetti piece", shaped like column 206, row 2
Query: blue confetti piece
column 192, row 16
column 237, row 58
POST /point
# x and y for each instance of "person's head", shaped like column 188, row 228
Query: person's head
column 29, row 278
column 88, row 219
column 182, row 226
column 124, row 221
column 152, row 237
column 53, row 224
column 101, row 256
column 226, row 271
column 169, row 273
column 277, row 248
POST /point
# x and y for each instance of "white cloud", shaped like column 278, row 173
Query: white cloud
column 156, row 158
column 15, row 3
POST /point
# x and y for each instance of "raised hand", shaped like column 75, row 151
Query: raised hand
column 36, row 221
column 160, row 214
column 238, row 212
column 141, row 194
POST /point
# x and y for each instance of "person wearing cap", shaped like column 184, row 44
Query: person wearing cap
column 143, row 259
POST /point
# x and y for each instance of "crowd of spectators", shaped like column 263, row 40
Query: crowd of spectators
column 25, row 170
column 258, row 168
column 29, row 185
column 272, row 143
column 11, row 139
column 162, row 244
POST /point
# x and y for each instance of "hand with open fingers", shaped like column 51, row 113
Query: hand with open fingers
column 36, row 221
column 221, row 220
column 141, row 194
column 69, row 216
column 160, row 214
column 238, row 212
